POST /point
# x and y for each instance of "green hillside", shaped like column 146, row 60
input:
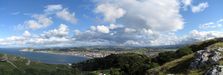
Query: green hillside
column 21, row 66
column 181, row 65
column 169, row 62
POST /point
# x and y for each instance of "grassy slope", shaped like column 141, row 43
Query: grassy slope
column 180, row 66
column 175, row 66
column 20, row 62
column 216, row 45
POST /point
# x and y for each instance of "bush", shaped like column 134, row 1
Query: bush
column 203, row 45
column 183, row 51
column 164, row 57
column 128, row 63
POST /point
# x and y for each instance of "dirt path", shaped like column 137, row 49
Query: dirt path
column 12, row 64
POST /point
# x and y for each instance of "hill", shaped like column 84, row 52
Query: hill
column 182, row 61
column 12, row 65
column 126, row 63
column 169, row 62
column 182, row 65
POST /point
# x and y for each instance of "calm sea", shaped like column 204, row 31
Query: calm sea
column 44, row 57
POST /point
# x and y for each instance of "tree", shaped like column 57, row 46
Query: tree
column 164, row 57
column 183, row 51
column 114, row 72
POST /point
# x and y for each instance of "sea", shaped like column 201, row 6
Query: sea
column 44, row 57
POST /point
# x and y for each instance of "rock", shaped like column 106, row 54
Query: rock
column 205, row 57
column 215, row 70
column 220, row 49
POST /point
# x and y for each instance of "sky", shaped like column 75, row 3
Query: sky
column 75, row 23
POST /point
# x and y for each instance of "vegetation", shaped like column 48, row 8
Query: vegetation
column 127, row 64
column 173, row 62
column 176, row 66
column 24, row 67
column 203, row 45
column 216, row 45
column 178, row 62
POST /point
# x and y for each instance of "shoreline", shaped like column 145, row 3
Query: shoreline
column 90, row 54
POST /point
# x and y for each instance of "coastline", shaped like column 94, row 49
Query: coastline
column 91, row 53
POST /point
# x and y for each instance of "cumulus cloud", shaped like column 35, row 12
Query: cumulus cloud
column 51, row 38
column 204, row 35
column 26, row 34
column 101, row 28
column 67, row 16
column 53, row 8
column 128, row 23
column 165, row 17
column 16, row 40
column 200, row 7
column 43, row 20
column 186, row 3
column 141, row 27
column 62, row 31
column 137, row 26
column 39, row 21
column 129, row 30
column 61, row 12
column 110, row 12
column 194, row 8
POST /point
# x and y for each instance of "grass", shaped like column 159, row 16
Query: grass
column 20, row 62
column 180, row 66
column 175, row 66
column 216, row 45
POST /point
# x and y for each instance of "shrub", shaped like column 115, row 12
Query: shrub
column 183, row 51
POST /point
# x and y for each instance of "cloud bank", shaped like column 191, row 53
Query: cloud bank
column 127, row 23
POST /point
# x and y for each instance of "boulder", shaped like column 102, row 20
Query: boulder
column 215, row 70
column 205, row 57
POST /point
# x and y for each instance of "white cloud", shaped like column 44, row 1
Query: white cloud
column 51, row 38
column 20, row 27
column 103, row 29
column 13, row 40
column 33, row 24
column 114, row 26
column 26, row 34
column 62, row 31
column 200, row 7
column 134, row 23
column 100, row 28
column 67, row 16
column 142, row 14
column 40, row 21
column 43, row 20
column 186, row 2
column 110, row 12
column 129, row 30
column 61, row 12
column 138, row 26
column 53, row 8
column 204, row 35
column 212, row 25
column 194, row 8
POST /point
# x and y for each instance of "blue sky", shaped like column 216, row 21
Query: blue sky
column 52, row 23
column 14, row 13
